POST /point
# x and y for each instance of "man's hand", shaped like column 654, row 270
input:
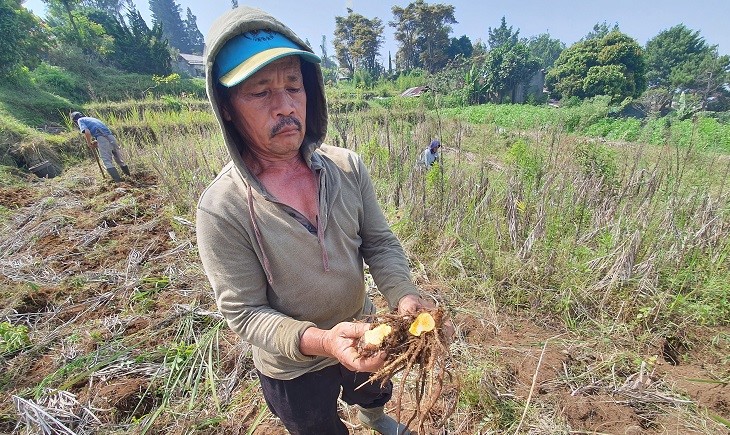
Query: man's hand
column 411, row 304
column 93, row 144
column 341, row 342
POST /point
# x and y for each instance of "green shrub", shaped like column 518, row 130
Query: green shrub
column 528, row 161
column 597, row 160
column 21, row 99
column 12, row 337
column 60, row 82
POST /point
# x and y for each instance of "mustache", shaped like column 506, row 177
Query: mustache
column 283, row 122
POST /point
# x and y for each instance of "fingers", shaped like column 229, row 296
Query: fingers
column 353, row 361
column 356, row 330
column 342, row 339
column 413, row 303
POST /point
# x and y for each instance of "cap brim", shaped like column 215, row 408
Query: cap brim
column 247, row 68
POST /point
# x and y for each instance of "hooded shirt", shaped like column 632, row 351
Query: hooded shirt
column 272, row 276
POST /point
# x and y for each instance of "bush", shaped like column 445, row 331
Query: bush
column 21, row 99
column 597, row 161
column 12, row 338
column 60, row 82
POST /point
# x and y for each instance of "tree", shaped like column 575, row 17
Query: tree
column 422, row 31
column 508, row 67
column 612, row 65
column 194, row 39
column 672, row 55
column 166, row 13
column 136, row 47
column 679, row 60
column 67, row 6
column 111, row 7
column 71, row 26
column 406, row 33
column 327, row 63
column 712, row 80
column 600, row 30
column 480, row 50
column 460, row 47
column 23, row 36
column 357, row 42
column 545, row 49
column 502, row 35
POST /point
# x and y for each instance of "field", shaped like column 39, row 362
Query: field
column 586, row 274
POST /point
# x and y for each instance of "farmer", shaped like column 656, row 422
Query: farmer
column 285, row 227
column 99, row 137
column 431, row 154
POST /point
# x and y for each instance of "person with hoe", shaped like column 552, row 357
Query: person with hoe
column 101, row 140
column 284, row 229
column 430, row 155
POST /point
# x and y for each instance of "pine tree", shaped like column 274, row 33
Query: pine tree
column 194, row 38
column 503, row 35
column 137, row 48
column 166, row 13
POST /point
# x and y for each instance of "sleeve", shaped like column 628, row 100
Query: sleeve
column 239, row 284
column 82, row 125
column 380, row 247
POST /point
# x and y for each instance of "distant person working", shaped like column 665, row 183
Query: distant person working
column 99, row 137
column 430, row 155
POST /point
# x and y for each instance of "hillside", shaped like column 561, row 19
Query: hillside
column 123, row 336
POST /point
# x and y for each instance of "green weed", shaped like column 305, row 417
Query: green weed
column 13, row 337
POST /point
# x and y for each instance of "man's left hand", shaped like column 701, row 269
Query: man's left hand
column 411, row 304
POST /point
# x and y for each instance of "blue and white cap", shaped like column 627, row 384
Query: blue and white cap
column 248, row 52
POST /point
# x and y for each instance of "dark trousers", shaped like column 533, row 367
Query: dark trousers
column 307, row 405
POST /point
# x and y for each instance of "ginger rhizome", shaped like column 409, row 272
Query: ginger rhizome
column 417, row 346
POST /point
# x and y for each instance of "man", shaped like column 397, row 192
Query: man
column 99, row 137
column 285, row 227
column 431, row 154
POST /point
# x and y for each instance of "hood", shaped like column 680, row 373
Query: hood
column 243, row 19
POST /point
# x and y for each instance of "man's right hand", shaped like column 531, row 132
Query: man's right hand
column 94, row 145
column 340, row 342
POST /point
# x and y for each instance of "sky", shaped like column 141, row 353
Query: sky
column 566, row 20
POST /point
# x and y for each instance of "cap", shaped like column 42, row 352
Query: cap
column 76, row 115
column 248, row 52
column 435, row 144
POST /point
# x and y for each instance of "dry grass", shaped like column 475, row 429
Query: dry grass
column 586, row 280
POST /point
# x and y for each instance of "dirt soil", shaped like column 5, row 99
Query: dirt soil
column 88, row 265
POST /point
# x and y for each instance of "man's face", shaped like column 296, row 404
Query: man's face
column 269, row 108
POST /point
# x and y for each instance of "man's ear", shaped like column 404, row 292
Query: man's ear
column 224, row 113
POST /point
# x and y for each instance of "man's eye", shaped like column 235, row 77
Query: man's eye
column 295, row 90
column 259, row 94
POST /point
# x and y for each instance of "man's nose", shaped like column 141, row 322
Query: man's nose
column 283, row 101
